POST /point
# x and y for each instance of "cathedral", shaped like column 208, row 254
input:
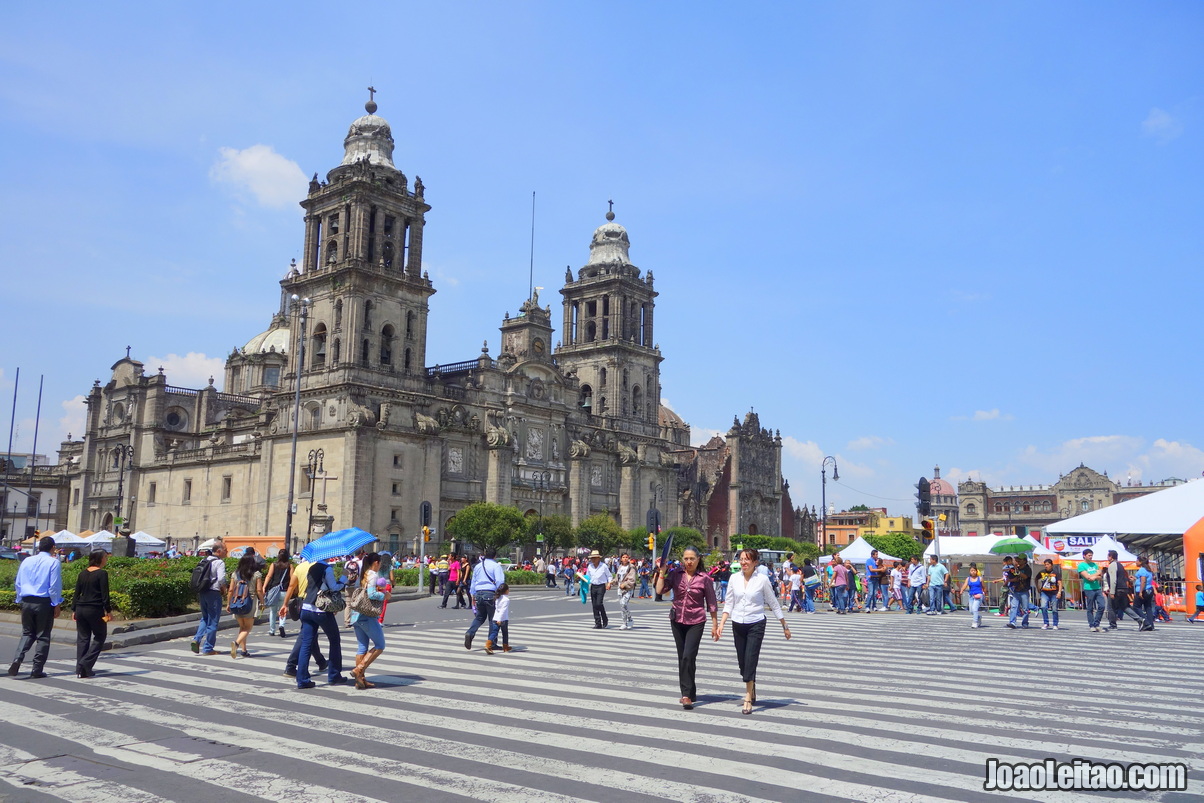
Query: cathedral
column 336, row 407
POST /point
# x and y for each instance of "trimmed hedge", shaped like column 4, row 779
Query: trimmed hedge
column 121, row 602
column 515, row 577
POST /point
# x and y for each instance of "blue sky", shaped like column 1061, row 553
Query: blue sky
column 905, row 233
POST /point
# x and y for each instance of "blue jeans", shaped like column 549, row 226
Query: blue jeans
column 485, row 607
column 568, row 586
column 909, row 598
column 838, row 597
column 311, row 621
column 271, row 601
column 722, row 596
column 1019, row 602
column 1049, row 601
column 1145, row 604
column 976, row 610
column 368, row 629
column 1093, row 601
column 809, row 599
column 645, row 589
column 936, row 597
column 850, row 597
column 211, row 611
column 875, row 589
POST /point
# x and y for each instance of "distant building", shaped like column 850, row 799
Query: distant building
column 1029, row 509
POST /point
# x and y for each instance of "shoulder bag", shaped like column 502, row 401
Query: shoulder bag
column 362, row 604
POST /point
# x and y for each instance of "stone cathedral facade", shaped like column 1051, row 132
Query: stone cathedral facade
column 575, row 428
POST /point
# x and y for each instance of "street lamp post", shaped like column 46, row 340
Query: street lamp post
column 292, row 464
column 314, row 468
column 124, row 454
column 823, row 473
column 541, row 480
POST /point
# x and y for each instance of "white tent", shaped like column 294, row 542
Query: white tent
column 1101, row 547
column 146, row 539
column 208, row 544
column 958, row 546
column 859, row 552
column 1039, row 549
column 1156, row 521
column 102, row 537
column 67, row 538
column 143, row 542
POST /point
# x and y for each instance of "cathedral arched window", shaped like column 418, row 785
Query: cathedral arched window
column 338, row 314
column 637, row 401
column 971, row 509
column 318, row 345
column 332, row 252
column 315, row 416
column 587, row 399
column 386, row 345
column 367, row 316
column 409, row 324
column 998, row 507
column 365, row 350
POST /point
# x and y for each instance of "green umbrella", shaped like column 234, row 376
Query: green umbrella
column 1012, row 546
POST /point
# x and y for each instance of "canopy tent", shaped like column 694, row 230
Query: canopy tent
column 1155, row 521
column 965, row 546
column 1039, row 549
column 212, row 542
column 67, row 538
column 148, row 539
column 143, row 542
column 859, row 552
column 1101, row 547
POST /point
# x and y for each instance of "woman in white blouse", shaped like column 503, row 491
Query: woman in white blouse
column 748, row 592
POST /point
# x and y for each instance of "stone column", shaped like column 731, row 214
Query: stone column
column 414, row 259
column 498, row 469
column 578, row 489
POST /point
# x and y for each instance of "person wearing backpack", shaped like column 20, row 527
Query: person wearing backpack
column 208, row 580
column 244, row 595
column 280, row 574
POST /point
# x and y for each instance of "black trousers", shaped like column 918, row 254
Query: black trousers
column 91, row 630
column 748, row 640
column 37, row 620
column 597, row 592
column 687, row 638
column 294, row 656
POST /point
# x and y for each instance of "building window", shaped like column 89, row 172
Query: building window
column 334, row 224
column 271, row 376
column 315, row 416
column 365, row 351
column 318, row 344
column 409, row 324
column 1085, row 505
column 406, row 365
column 187, row 498
column 397, row 489
column 396, row 461
column 150, row 493
column 338, row 314
column 227, row 487
column 971, row 509
column 998, row 507
column 386, row 345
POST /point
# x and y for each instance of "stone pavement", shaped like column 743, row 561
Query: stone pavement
column 863, row 707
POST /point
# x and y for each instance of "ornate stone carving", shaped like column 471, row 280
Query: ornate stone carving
column 534, row 444
column 385, row 410
column 627, row 455
column 425, row 424
column 579, row 450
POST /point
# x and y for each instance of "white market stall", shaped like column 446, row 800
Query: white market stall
column 144, row 543
column 859, row 552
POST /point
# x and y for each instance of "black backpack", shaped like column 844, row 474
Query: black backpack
column 202, row 576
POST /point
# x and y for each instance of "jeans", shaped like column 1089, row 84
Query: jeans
column 1049, row 601
column 311, row 621
column 748, row 640
column 850, row 597
column 91, row 630
column 271, row 601
column 485, row 606
column 1145, row 604
column 796, row 598
column 875, row 587
column 211, row 611
column 687, row 638
column 1019, row 603
column 294, row 656
column 909, row 598
column 597, row 594
column 568, row 586
column 1093, row 601
column 368, row 629
column 936, row 596
column 37, row 620
column 624, row 603
column 722, row 589
column 645, row 589
column 838, row 598
column 808, row 599
column 976, row 610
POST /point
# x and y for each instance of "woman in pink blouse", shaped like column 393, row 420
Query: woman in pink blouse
column 748, row 594
column 693, row 598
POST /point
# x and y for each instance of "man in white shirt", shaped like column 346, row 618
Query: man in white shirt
column 917, row 575
column 599, row 578
column 896, row 586
column 626, row 577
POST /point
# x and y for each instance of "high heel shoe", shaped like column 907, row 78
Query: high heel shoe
column 747, row 709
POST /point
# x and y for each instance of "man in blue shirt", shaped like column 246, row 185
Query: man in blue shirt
column 936, row 586
column 1143, row 592
column 39, row 590
column 873, row 576
column 487, row 577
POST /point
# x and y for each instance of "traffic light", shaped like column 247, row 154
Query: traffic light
column 924, row 497
column 651, row 542
column 426, row 534
column 927, row 525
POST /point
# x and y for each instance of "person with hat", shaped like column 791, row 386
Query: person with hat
column 39, row 588
column 599, row 577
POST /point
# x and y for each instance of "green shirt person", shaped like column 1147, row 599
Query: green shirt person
column 1090, row 572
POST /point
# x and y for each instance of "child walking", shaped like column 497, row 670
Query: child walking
column 1199, row 604
column 501, row 615
column 973, row 586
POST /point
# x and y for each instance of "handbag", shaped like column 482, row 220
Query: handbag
column 294, row 609
column 362, row 604
column 330, row 601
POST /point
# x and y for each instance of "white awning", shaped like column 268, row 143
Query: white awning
column 1166, row 512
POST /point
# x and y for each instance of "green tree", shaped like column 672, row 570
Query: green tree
column 600, row 532
column 557, row 532
column 485, row 525
column 859, row 509
column 636, row 542
column 900, row 545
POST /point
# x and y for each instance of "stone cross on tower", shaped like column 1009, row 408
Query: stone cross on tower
column 371, row 93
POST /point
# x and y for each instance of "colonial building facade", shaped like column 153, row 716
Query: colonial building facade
column 335, row 405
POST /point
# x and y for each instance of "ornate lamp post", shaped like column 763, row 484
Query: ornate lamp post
column 313, row 471
column 303, row 313
column 541, row 480
column 125, row 454
column 823, row 473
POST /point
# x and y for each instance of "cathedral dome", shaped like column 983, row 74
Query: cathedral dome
column 277, row 339
column 940, row 487
column 609, row 244
column 369, row 138
column 668, row 418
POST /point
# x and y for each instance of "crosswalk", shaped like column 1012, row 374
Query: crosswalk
column 883, row 707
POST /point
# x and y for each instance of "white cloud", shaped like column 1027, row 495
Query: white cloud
column 984, row 415
column 667, row 403
column 806, row 452
column 190, row 371
column 275, row 181
column 1161, row 125
column 700, row 435
column 75, row 417
column 869, row 442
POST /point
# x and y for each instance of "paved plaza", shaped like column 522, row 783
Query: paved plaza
column 881, row 707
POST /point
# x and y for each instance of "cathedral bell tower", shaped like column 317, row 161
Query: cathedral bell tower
column 608, row 336
column 362, row 266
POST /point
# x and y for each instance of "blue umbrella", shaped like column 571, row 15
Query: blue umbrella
column 337, row 544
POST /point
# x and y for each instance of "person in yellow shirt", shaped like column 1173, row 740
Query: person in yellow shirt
column 297, row 588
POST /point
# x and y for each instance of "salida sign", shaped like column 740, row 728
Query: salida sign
column 1070, row 543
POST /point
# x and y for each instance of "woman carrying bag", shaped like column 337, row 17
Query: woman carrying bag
column 91, row 609
column 693, row 598
column 280, row 573
column 748, row 592
column 366, row 603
